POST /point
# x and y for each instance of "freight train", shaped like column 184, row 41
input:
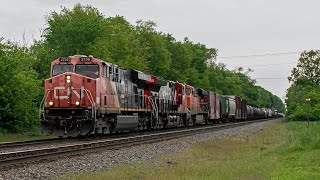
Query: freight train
column 86, row 95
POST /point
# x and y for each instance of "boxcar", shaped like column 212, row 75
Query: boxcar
column 210, row 103
column 244, row 109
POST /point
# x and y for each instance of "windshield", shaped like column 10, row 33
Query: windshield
column 90, row 70
column 61, row 68
column 188, row 91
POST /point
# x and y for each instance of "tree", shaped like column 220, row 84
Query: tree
column 224, row 81
column 297, row 109
column 308, row 67
column 158, row 56
column 120, row 44
column 19, row 88
column 71, row 32
column 41, row 51
column 181, row 57
column 306, row 79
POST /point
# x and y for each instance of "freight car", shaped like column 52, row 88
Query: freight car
column 86, row 95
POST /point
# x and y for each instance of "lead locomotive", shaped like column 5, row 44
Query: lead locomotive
column 86, row 95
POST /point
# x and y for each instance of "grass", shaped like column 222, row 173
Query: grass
column 14, row 137
column 279, row 151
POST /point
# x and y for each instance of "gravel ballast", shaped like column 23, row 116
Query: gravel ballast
column 107, row 159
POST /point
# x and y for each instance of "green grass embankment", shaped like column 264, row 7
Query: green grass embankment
column 278, row 151
column 34, row 134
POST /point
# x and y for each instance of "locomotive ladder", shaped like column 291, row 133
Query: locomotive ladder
column 155, row 111
column 189, row 119
column 126, row 97
column 41, row 108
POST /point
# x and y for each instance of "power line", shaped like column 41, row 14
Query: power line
column 261, row 55
column 261, row 65
column 270, row 78
column 266, row 78
column 271, row 81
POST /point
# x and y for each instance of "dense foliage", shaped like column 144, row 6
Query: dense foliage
column 305, row 80
column 19, row 90
column 84, row 30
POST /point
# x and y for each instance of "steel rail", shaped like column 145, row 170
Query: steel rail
column 18, row 158
column 32, row 142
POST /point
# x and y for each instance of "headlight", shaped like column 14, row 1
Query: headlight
column 77, row 103
column 51, row 103
column 68, row 79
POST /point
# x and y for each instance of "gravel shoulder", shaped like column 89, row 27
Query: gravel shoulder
column 106, row 159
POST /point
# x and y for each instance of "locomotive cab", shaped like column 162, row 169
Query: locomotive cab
column 68, row 107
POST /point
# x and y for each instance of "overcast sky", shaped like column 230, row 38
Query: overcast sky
column 234, row 27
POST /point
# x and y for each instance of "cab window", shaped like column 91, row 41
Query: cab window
column 61, row 68
column 179, row 89
column 90, row 70
column 188, row 91
column 104, row 71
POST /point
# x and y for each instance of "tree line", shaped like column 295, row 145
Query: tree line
column 305, row 79
column 84, row 30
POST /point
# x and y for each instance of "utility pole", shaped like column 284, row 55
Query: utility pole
column 308, row 106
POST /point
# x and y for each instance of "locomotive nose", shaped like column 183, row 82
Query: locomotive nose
column 69, row 90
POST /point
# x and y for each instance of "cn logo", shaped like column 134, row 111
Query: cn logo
column 69, row 91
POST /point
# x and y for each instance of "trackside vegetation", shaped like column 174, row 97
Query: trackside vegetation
column 278, row 151
column 84, row 30
column 305, row 78
column 25, row 136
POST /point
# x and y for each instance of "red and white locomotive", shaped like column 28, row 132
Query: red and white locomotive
column 87, row 95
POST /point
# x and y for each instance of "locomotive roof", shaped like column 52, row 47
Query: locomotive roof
column 108, row 63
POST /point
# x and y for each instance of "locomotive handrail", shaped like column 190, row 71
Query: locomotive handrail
column 154, row 104
column 41, row 108
column 157, row 108
column 92, row 102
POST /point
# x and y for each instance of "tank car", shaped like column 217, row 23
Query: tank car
column 250, row 112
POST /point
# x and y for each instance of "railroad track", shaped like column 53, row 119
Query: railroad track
column 25, row 145
column 18, row 158
column 31, row 143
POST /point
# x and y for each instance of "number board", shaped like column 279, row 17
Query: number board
column 85, row 59
column 64, row 59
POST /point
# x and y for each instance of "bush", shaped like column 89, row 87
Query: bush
column 19, row 88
